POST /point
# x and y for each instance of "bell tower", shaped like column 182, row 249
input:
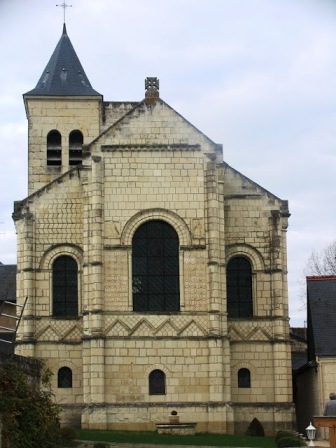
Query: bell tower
column 63, row 113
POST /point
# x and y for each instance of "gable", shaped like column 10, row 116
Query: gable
column 153, row 127
column 56, row 208
column 238, row 185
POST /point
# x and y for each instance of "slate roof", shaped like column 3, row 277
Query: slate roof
column 64, row 74
column 299, row 359
column 8, row 282
column 321, row 303
column 4, row 346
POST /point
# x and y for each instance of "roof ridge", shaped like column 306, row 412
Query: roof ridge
column 321, row 277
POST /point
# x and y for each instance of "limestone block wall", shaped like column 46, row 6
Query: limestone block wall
column 113, row 111
column 270, row 371
column 136, row 180
column 209, row 417
column 273, row 417
column 51, row 225
column 248, row 221
column 128, row 364
column 58, row 217
column 257, row 356
column 68, row 354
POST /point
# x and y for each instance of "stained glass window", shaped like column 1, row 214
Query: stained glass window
column 244, row 378
column 64, row 377
column 65, row 287
column 155, row 267
column 157, row 382
column 239, row 287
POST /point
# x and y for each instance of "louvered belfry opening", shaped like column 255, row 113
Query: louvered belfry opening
column 75, row 148
column 54, row 148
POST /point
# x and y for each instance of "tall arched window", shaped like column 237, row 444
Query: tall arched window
column 239, row 287
column 64, row 377
column 75, row 148
column 54, row 148
column 157, row 382
column 155, row 268
column 65, row 287
column 244, row 378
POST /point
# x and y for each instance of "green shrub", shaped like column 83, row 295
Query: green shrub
column 30, row 416
column 68, row 435
column 289, row 441
column 255, row 429
column 283, row 433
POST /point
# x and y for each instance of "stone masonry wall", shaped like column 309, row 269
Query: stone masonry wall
column 64, row 115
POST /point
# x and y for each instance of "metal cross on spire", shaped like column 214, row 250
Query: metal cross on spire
column 64, row 6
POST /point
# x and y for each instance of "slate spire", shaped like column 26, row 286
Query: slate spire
column 64, row 74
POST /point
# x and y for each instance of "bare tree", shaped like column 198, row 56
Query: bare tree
column 319, row 263
column 323, row 262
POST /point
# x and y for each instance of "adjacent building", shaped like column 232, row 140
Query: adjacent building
column 317, row 377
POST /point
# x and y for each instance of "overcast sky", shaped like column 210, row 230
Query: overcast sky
column 257, row 76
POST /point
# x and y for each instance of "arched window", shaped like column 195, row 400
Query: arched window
column 239, row 287
column 155, row 268
column 64, row 377
column 54, row 148
column 75, row 148
column 157, row 382
column 65, row 287
column 244, row 378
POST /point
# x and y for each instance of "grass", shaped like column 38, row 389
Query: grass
column 166, row 439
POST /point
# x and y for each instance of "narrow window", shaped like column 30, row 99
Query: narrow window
column 157, row 382
column 65, row 287
column 155, row 268
column 75, row 148
column 239, row 287
column 64, row 377
column 54, row 148
column 244, row 378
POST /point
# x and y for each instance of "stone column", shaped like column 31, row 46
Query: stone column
column 278, row 288
column 216, row 361
column 281, row 346
column 96, row 246
column 213, row 246
column 94, row 415
column 26, row 277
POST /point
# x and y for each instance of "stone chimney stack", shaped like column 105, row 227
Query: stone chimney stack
column 152, row 90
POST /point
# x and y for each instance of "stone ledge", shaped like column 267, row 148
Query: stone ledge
column 182, row 429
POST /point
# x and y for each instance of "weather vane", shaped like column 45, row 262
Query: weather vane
column 64, row 5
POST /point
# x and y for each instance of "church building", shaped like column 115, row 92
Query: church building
column 155, row 273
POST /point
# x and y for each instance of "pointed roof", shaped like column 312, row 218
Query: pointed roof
column 64, row 74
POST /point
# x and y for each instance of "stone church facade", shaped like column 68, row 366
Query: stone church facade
column 155, row 273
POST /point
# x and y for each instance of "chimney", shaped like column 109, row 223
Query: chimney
column 152, row 90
